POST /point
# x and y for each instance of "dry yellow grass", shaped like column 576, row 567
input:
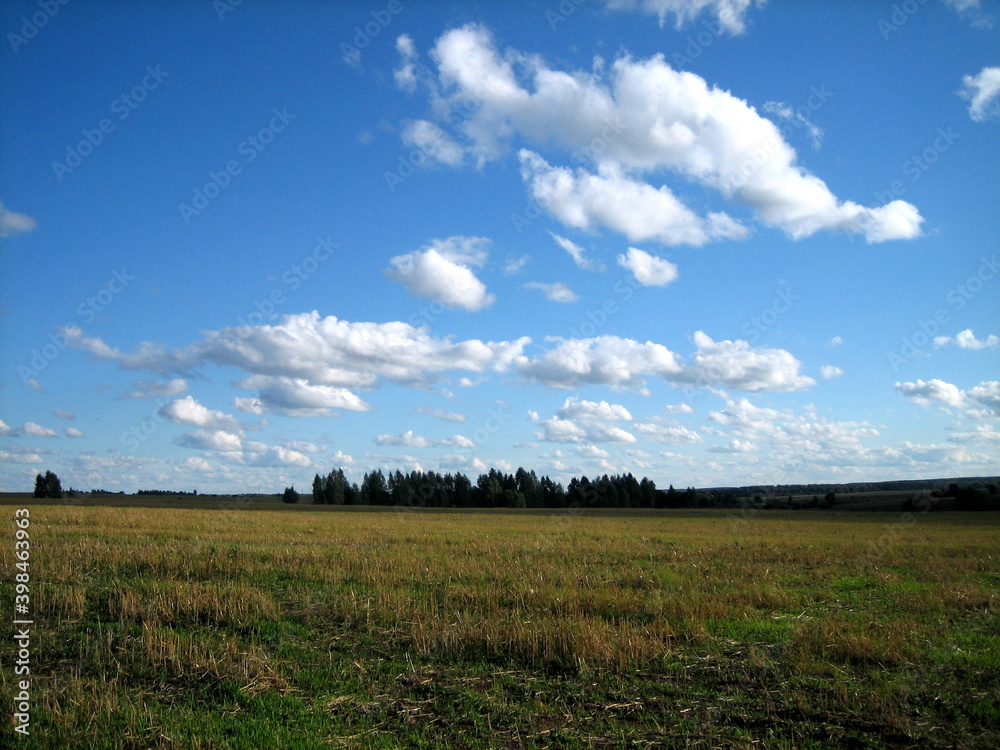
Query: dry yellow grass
column 149, row 602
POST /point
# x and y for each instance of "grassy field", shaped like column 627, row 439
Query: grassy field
column 184, row 628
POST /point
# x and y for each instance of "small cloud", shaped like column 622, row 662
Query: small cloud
column 967, row 340
column 62, row 414
column 557, row 292
column 12, row 223
column 150, row 389
column 647, row 269
column 679, row 409
column 351, row 56
column 983, row 92
column 36, row 430
column 796, row 119
column 440, row 414
column 34, row 385
column 365, row 137
column 210, row 440
column 442, row 272
column 405, row 75
column 591, row 451
column 457, row 441
column 835, row 341
column 407, row 439
column 577, row 253
column 829, row 371
column 6, row 431
column 73, row 432
column 515, row 265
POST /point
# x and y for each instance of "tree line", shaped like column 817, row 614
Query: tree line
column 494, row 489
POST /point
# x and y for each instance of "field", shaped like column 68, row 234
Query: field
column 171, row 627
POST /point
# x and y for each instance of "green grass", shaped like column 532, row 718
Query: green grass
column 184, row 628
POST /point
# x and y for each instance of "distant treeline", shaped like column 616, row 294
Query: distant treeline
column 524, row 489
column 166, row 492
column 900, row 485
column 495, row 489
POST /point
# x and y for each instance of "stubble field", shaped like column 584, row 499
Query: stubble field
column 186, row 628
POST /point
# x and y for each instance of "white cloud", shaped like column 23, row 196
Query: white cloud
column 12, row 223
column 556, row 292
column 433, row 142
column 260, row 455
column 302, row 446
column 296, row 397
column 320, row 351
column 678, row 409
column 342, row 459
column 789, row 437
column 663, row 120
column 407, row 439
column 835, row 341
column 591, row 451
column 457, row 441
column 573, row 408
column 730, row 15
column 579, row 421
column 405, row 75
column 249, row 405
column 516, row 265
column 981, row 401
column 6, row 430
column 984, row 400
column 625, row 363
column 63, row 414
column 735, row 364
column 150, row 389
column 210, row 440
column 669, row 434
column 983, row 92
column 797, row 119
column 924, row 392
column 967, row 340
column 188, row 411
column 577, row 253
column 560, row 430
column 829, row 371
column 27, row 459
column 647, row 269
column 440, row 414
column 604, row 360
column 971, row 10
column 73, row 432
column 36, row 430
column 196, row 464
column 455, row 462
column 441, row 272
column 34, row 385
column 613, row 199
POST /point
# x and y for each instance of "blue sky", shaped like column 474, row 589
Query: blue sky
column 711, row 242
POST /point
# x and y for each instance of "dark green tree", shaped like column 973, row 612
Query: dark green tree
column 290, row 495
